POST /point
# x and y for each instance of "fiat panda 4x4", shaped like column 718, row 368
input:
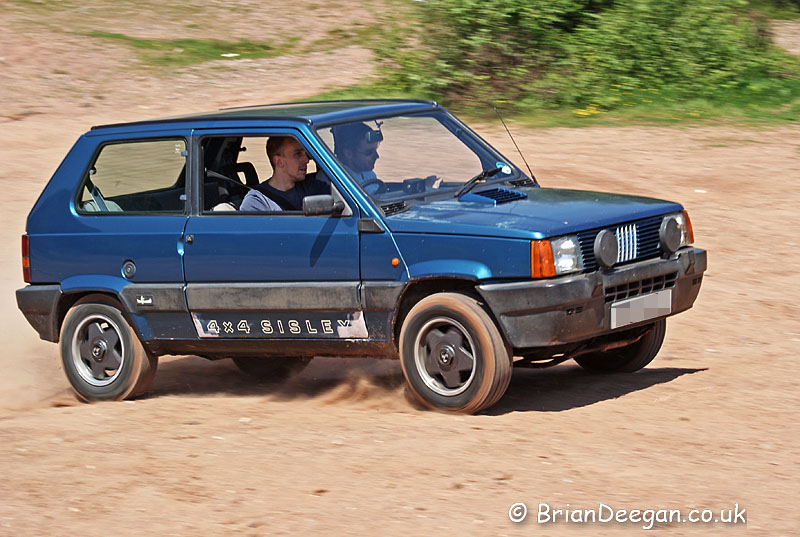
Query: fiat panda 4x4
column 407, row 236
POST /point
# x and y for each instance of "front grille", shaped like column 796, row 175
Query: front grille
column 636, row 241
column 640, row 287
column 627, row 248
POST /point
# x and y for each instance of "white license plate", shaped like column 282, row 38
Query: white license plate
column 641, row 308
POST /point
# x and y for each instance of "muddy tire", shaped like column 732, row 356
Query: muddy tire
column 101, row 354
column 627, row 359
column 452, row 354
column 270, row 369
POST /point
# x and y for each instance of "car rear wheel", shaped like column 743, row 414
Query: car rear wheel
column 102, row 356
column 452, row 354
column 630, row 358
column 270, row 369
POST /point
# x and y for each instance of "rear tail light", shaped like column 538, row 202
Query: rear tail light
column 26, row 260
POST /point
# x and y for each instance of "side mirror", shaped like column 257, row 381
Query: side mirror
column 321, row 205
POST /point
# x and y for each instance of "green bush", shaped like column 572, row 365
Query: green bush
column 589, row 54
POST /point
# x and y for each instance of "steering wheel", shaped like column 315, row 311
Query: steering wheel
column 418, row 185
column 375, row 181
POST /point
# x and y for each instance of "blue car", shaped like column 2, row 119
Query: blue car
column 274, row 234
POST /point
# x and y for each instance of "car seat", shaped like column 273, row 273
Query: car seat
column 249, row 171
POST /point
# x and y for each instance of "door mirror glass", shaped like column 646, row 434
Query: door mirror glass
column 321, row 205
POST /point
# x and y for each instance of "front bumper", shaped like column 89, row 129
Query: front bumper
column 571, row 309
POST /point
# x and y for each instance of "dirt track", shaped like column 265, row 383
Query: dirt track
column 339, row 451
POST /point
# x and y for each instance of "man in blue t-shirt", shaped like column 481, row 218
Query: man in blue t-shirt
column 287, row 187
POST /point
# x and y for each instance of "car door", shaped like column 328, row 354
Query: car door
column 278, row 275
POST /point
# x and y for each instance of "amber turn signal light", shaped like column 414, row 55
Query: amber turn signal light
column 689, row 227
column 542, row 264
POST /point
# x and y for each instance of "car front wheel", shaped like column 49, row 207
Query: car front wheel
column 452, row 354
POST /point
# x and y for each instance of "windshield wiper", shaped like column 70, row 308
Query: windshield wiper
column 469, row 185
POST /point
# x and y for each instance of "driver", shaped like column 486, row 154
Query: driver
column 356, row 146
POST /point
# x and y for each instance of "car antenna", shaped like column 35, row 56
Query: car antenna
column 496, row 111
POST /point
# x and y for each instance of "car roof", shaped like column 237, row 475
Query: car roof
column 310, row 112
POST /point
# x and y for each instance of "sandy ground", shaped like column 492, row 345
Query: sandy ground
column 712, row 423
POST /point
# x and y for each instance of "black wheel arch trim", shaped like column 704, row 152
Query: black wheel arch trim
column 44, row 306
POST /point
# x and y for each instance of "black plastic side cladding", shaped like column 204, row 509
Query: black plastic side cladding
column 146, row 298
column 380, row 300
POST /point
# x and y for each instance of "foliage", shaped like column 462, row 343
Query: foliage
column 588, row 55
column 776, row 9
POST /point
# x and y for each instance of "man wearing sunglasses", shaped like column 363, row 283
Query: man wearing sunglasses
column 356, row 146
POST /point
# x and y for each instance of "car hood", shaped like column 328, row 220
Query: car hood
column 545, row 212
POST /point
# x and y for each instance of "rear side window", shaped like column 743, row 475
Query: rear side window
column 142, row 177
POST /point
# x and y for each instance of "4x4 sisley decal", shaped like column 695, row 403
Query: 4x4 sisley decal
column 281, row 325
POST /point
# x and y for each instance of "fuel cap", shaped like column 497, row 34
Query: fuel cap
column 129, row 269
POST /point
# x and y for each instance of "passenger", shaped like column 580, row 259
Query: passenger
column 287, row 187
column 356, row 146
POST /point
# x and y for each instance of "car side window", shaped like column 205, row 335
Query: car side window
column 142, row 176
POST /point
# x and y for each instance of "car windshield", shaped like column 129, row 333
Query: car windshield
column 418, row 157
